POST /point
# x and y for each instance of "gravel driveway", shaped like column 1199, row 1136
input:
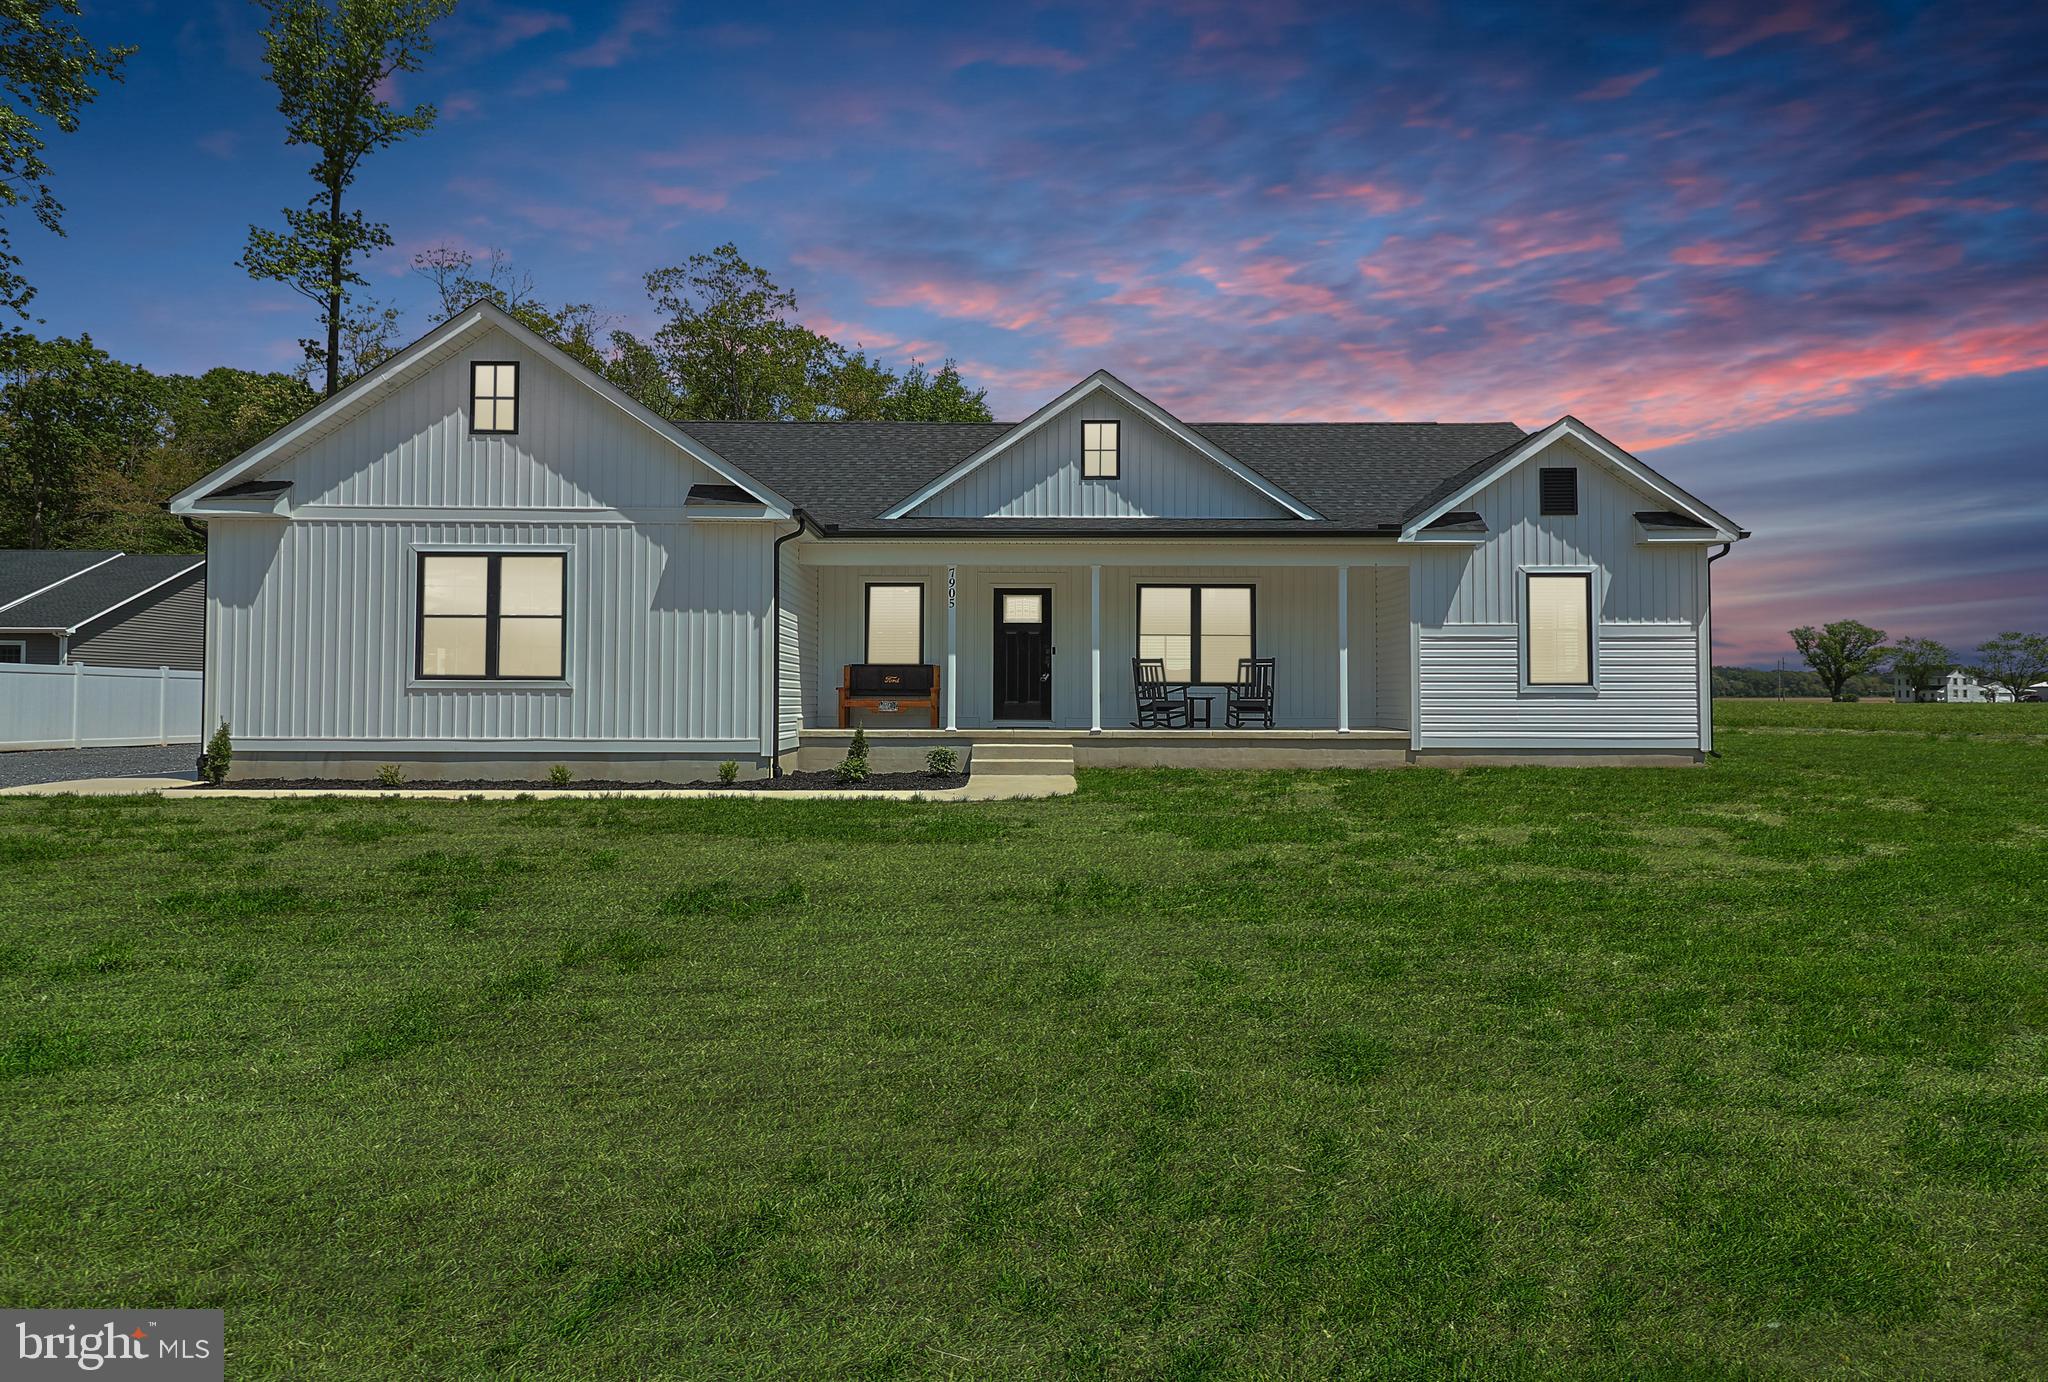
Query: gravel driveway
column 63, row 765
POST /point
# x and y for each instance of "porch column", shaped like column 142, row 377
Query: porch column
column 1095, row 649
column 1343, row 650
column 952, row 646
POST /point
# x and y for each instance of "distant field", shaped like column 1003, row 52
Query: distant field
column 2023, row 717
column 1710, row 1073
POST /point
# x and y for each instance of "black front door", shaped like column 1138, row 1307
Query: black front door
column 1023, row 670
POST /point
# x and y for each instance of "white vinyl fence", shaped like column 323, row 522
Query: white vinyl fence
column 77, row 706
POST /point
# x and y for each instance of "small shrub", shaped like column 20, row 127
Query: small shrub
column 220, row 751
column 728, row 772
column 559, row 775
column 855, row 768
column 942, row 762
column 390, row 775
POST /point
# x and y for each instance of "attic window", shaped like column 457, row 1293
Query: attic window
column 493, row 397
column 1560, row 490
column 1099, row 449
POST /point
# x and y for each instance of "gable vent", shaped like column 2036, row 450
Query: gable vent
column 1560, row 490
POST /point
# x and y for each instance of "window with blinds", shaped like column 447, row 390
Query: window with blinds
column 1099, row 446
column 492, row 617
column 895, row 623
column 1560, row 614
column 494, row 396
column 1198, row 631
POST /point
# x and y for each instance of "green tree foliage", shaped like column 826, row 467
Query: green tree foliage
column 1839, row 651
column 941, row 397
column 730, row 345
column 330, row 61
column 90, row 447
column 2013, row 660
column 47, row 69
column 1920, row 662
column 1741, row 683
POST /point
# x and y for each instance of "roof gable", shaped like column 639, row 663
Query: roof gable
column 1039, row 474
column 1107, row 391
column 1457, row 490
column 70, row 605
column 446, row 343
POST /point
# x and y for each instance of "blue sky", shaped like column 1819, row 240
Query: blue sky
column 1794, row 254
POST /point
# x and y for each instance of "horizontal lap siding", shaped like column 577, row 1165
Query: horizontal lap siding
column 1158, row 476
column 798, row 616
column 165, row 628
column 1648, row 693
column 313, row 633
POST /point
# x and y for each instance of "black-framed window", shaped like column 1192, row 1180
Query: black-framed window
column 1559, row 490
column 1101, row 443
column 895, row 623
column 1198, row 631
column 491, row 616
column 1559, row 609
column 493, row 396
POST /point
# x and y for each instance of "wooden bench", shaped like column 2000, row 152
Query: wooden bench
column 888, row 686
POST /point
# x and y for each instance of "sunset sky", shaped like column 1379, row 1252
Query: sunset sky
column 1795, row 255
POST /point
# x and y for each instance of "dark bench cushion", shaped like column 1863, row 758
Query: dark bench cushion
column 909, row 679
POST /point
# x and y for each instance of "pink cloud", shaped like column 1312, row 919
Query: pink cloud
column 1591, row 292
column 1614, row 88
column 969, row 301
column 1708, row 254
column 695, row 198
column 1742, row 24
column 639, row 22
column 1026, row 55
column 1376, row 197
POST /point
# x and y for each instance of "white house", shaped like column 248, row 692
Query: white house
column 1957, row 686
column 481, row 559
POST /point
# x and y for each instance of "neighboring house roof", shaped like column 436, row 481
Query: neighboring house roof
column 26, row 571
column 70, row 605
column 429, row 350
column 1359, row 476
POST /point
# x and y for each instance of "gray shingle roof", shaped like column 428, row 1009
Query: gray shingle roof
column 71, row 604
column 25, row 571
column 1360, row 476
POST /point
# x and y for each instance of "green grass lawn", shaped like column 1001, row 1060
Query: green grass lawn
column 1720, row 1072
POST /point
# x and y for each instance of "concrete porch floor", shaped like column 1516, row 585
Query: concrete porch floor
column 902, row 750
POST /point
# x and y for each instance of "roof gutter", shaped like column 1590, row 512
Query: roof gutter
column 803, row 520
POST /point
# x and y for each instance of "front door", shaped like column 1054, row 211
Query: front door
column 1023, row 667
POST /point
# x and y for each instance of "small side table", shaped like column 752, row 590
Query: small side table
column 1199, row 708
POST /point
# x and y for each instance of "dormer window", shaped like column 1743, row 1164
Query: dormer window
column 1099, row 450
column 493, row 397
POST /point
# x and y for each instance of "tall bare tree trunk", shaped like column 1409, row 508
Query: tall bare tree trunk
column 333, row 290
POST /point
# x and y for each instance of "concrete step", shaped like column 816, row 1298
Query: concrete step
column 1022, row 760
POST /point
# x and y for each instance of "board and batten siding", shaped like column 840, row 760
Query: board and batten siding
column 165, row 628
column 311, row 644
column 1649, row 606
column 1158, row 476
column 1391, row 700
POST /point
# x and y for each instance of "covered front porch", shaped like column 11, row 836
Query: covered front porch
column 1036, row 640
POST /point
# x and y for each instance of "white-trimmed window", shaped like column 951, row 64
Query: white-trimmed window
column 497, row 616
column 1559, row 628
column 13, row 650
column 895, row 624
column 1198, row 631
column 493, row 396
column 1100, row 443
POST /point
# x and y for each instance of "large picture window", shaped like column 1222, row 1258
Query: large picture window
column 1560, row 629
column 895, row 624
column 1198, row 631
column 491, row 616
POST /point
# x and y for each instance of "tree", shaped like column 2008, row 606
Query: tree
column 330, row 67
column 729, row 346
column 1840, row 651
column 2013, row 660
column 1920, row 663
column 68, row 413
column 940, row 397
column 47, row 69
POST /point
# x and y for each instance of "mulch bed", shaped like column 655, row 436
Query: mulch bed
column 788, row 782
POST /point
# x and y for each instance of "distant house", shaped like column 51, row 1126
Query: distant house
column 1957, row 686
column 104, row 609
column 2037, row 692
